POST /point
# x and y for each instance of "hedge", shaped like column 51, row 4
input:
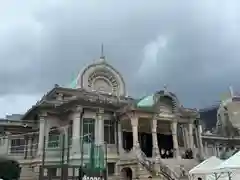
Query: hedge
column 9, row 169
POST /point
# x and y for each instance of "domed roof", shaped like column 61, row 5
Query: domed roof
column 100, row 76
column 149, row 101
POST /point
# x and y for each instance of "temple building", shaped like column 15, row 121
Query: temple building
column 221, row 125
column 154, row 136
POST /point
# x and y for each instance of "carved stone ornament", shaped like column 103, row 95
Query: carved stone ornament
column 43, row 114
column 100, row 110
column 78, row 109
column 103, row 74
column 174, row 128
column 165, row 115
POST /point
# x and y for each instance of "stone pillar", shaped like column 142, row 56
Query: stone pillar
column 175, row 140
column 134, row 123
column 26, row 146
column 200, row 141
column 156, row 152
column 42, row 133
column 217, row 150
column 100, row 119
column 7, row 143
column 120, row 141
column 206, row 148
column 185, row 136
column 76, row 136
column 190, row 134
column 96, row 129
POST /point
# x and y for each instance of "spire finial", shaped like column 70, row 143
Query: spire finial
column 102, row 52
column 165, row 87
column 231, row 91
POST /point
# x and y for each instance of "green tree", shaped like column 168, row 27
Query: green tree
column 9, row 169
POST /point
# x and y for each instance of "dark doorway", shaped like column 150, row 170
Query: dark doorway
column 127, row 173
column 165, row 144
column 145, row 140
column 127, row 140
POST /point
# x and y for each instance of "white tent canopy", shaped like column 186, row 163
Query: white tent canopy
column 205, row 169
column 233, row 163
column 206, row 166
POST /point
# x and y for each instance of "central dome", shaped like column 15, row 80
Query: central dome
column 102, row 77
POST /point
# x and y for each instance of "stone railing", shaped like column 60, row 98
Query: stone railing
column 149, row 165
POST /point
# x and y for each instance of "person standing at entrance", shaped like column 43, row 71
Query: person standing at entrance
column 167, row 154
column 163, row 153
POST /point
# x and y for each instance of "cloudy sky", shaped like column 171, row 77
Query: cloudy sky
column 192, row 46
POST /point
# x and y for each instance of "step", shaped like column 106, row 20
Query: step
column 28, row 174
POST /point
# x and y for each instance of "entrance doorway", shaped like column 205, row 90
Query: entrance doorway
column 127, row 141
column 145, row 140
column 165, row 145
column 126, row 173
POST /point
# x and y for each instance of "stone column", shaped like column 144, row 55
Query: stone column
column 190, row 134
column 175, row 140
column 120, row 141
column 7, row 144
column 134, row 123
column 76, row 136
column 206, row 148
column 217, row 150
column 26, row 146
column 96, row 129
column 200, row 141
column 185, row 136
column 156, row 152
column 42, row 133
column 100, row 119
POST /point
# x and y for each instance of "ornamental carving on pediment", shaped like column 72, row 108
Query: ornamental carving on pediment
column 165, row 115
column 102, row 77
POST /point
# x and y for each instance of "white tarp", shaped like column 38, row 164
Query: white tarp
column 206, row 166
column 230, row 167
column 205, row 169
column 233, row 163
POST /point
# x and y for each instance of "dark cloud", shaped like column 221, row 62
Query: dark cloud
column 47, row 42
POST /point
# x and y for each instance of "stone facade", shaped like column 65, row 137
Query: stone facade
column 141, row 141
column 222, row 140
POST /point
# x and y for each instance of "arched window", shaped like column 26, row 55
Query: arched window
column 109, row 131
column 54, row 138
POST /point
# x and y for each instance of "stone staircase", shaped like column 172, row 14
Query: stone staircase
column 181, row 167
column 27, row 173
column 169, row 169
column 154, row 167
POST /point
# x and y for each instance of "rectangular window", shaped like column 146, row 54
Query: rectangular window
column 17, row 146
column 88, row 129
column 54, row 141
column 111, row 168
column 54, row 138
column 109, row 131
column 52, row 172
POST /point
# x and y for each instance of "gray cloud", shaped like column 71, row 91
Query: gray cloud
column 47, row 42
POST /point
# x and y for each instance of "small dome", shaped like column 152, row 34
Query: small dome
column 147, row 101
